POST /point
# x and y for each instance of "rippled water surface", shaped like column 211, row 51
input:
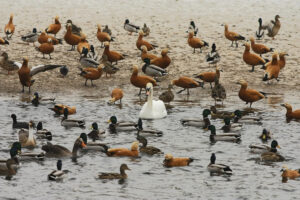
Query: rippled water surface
column 148, row 179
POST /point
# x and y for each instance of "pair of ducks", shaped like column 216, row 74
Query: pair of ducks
column 268, row 154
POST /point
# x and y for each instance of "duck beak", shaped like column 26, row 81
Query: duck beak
column 91, row 128
column 19, row 152
column 128, row 168
column 206, row 129
column 109, row 121
column 278, row 146
column 282, row 105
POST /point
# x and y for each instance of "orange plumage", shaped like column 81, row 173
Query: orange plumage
column 102, row 36
column 252, row 59
column 24, row 74
column 259, row 48
column 170, row 161
column 133, row 152
column 196, row 43
column 249, row 95
column 289, row 174
column 116, row 94
column 163, row 61
column 282, row 59
column 71, row 38
column 290, row 114
column 59, row 109
column 185, row 82
column 9, row 28
column 140, row 42
column 43, row 38
column 140, row 81
column 232, row 36
column 54, row 28
column 83, row 44
column 46, row 48
column 145, row 53
column 112, row 56
column 209, row 76
column 91, row 73
column 272, row 69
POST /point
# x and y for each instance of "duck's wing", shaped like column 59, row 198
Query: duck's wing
column 134, row 26
column 29, row 35
column 157, row 69
column 14, row 64
column 42, row 68
column 89, row 62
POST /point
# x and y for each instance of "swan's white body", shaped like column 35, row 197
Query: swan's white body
column 152, row 109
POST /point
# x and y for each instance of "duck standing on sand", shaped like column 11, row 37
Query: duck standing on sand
column 140, row 81
column 43, row 37
column 108, row 68
column 103, row 36
column 71, row 38
column 152, row 109
column 91, row 73
column 46, row 48
column 186, row 83
column 9, row 28
column 146, row 30
column 272, row 70
column 112, row 56
column 196, row 43
column 163, row 61
column 213, row 57
column 209, row 76
column 75, row 29
column 131, row 28
column 249, row 95
column 7, row 64
column 107, row 30
column 25, row 73
column 259, row 48
column 252, row 59
column 272, row 27
column 152, row 70
column 54, row 28
column 30, row 37
column 232, row 36
column 140, row 42
column 145, row 53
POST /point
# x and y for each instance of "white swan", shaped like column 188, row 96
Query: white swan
column 152, row 109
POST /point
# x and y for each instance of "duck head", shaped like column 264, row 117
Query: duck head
column 192, row 23
column 25, row 61
column 226, row 27
column 191, row 34
column 66, row 113
column 106, row 44
column 277, row 17
column 135, row 146
column 164, row 52
column 274, row 146
column 142, row 140
column 282, row 54
column 168, row 156
column 124, row 167
column 212, row 129
column 212, row 158
column 127, row 21
column 213, row 47
column 59, row 165
column 69, row 21
column 17, row 145
column 287, row 106
column 205, row 113
column 247, row 46
column 14, row 117
column 57, row 20
column 14, row 154
column 83, row 136
column 34, row 30
column 260, row 21
column 243, row 83
column 144, row 49
column 113, row 120
column 140, row 124
column 274, row 58
column 252, row 40
column 147, row 61
column 227, row 121
column 39, row 126
column 265, row 134
column 95, row 126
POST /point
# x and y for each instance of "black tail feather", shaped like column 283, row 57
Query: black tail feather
column 265, row 78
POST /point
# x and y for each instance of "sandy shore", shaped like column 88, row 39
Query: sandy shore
column 168, row 29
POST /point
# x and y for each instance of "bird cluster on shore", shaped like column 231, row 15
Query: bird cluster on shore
column 154, row 68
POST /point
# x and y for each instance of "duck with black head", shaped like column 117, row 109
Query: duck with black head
column 17, row 124
column 71, row 122
column 8, row 170
column 96, row 134
column 218, row 169
column 272, row 155
column 204, row 123
column 131, row 28
column 58, row 174
column 229, row 137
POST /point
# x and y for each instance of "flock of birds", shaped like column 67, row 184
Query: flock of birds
column 154, row 69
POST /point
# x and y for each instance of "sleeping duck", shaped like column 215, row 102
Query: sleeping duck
column 122, row 174
column 58, row 174
column 146, row 132
column 218, row 168
column 119, row 152
column 60, row 151
column 221, row 114
column 204, row 123
column 272, row 155
column 147, row 149
column 230, row 137
column 130, row 27
column 230, row 127
column 92, row 145
column 71, row 122
column 170, row 161
column 152, row 70
column 265, row 136
column 116, row 126
column 263, row 148
column 43, row 133
column 96, row 134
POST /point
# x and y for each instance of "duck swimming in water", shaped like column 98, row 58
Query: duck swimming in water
column 57, row 174
column 71, row 122
column 214, row 168
column 204, row 123
column 122, row 174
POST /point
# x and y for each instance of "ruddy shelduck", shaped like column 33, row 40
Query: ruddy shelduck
column 140, row 81
column 116, row 95
column 252, row 59
column 91, row 73
column 71, row 38
column 133, row 152
column 232, row 36
column 273, row 69
column 9, row 28
column 249, row 95
column 196, row 43
column 163, row 61
column 140, row 42
column 170, row 161
column 103, row 36
column 290, row 114
column 259, row 48
column 209, row 77
column 112, row 56
column 186, row 83
column 145, row 53
column 54, row 28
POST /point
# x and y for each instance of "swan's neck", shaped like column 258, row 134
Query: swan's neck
column 150, row 97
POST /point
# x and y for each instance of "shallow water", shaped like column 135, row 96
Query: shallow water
column 148, row 179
